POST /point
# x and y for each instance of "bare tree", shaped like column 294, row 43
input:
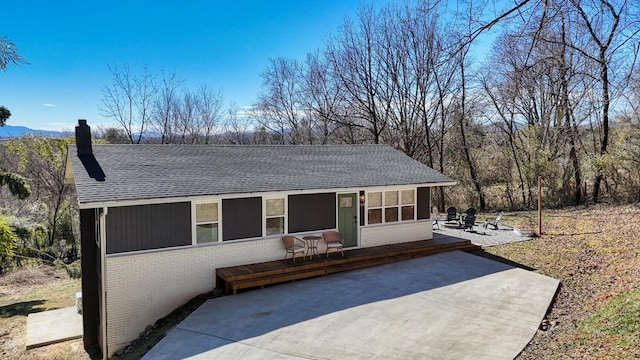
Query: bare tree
column 602, row 21
column 209, row 112
column 165, row 107
column 462, row 112
column 237, row 127
column 278, row 107
column 128, row 100
column 321, row 99
column 356, row 62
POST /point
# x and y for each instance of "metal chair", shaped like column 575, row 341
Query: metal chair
column 334, row 241
column 294, row 245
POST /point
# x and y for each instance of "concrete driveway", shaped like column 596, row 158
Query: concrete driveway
column 447, row 306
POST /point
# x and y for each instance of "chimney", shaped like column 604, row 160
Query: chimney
column 83, row 138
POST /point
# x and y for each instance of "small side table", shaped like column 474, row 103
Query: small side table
column 312, row 245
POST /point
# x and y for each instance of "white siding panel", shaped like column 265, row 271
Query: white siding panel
column 395, row 233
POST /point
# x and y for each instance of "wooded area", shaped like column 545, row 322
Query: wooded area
column 556, row 93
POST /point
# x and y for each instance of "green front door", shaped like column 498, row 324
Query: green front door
column 348, row 218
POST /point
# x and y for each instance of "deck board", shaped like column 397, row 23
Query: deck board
column 235, row 278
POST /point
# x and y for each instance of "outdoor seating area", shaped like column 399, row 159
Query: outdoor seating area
column 489, row 230
column 236, row 278
column 453, row 219
column 308, row 245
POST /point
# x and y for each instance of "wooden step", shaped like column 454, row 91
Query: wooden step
column 269, row 268
column 236, row 278
column 234, row 286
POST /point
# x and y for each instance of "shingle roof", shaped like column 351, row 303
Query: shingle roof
column 134, row 172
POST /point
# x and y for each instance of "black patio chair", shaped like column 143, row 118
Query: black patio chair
column 452, row 214
column 468, row 223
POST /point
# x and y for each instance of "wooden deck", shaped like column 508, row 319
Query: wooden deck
column 235, row 278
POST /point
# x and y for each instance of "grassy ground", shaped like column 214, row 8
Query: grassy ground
column 594, row 252
column 32, row 290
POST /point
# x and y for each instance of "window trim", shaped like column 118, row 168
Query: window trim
column 195, row 223
column 265, row 216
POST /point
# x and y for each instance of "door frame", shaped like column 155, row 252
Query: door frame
column 356, row 194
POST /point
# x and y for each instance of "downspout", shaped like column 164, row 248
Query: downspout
column 103, row 279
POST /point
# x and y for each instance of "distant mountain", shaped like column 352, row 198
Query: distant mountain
column 9, row 131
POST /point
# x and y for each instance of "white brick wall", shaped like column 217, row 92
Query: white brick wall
column 144, row 287
column 395, row 233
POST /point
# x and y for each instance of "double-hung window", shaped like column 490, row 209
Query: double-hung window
column 391, row 206
column 275, row 216
column 207, row 222
column 374, row 207
column 408, row 204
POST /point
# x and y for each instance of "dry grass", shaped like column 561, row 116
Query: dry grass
column 32, row 290
column 594, row 252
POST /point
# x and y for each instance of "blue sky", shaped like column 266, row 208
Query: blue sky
column 224, row 44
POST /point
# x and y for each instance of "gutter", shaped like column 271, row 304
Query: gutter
column 103, row 280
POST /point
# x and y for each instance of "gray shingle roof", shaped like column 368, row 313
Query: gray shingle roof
column 135, row 172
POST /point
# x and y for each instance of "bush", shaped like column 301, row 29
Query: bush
column 7, row 245
column 74, row 270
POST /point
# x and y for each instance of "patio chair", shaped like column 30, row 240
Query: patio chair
column 468, row 223
column 293, row 246
column 334, row 241
column 493, row 221
column 452, row 214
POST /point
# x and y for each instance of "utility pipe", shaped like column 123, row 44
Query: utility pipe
column 103, row 280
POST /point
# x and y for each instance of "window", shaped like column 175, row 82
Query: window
column 275, row 215
column 408, row 202
column 206, row 222
column 390, row 206
column 374, row 208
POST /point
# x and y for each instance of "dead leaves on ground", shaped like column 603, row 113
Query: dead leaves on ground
column 595, row 253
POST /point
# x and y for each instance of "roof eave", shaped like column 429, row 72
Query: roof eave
column 69, row 178
column 150, row 201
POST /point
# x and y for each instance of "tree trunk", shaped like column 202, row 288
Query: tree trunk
column 467, row 154
column 604, row 141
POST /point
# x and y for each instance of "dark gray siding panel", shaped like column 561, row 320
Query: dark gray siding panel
column 241, row 218
column 309, row 212
column 90, row 277
column 424, row 203
column 145, row 227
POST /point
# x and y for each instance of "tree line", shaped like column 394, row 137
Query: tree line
column 555, row 95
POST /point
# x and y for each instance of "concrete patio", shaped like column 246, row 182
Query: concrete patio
column 448, row 306
column 53, row 326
